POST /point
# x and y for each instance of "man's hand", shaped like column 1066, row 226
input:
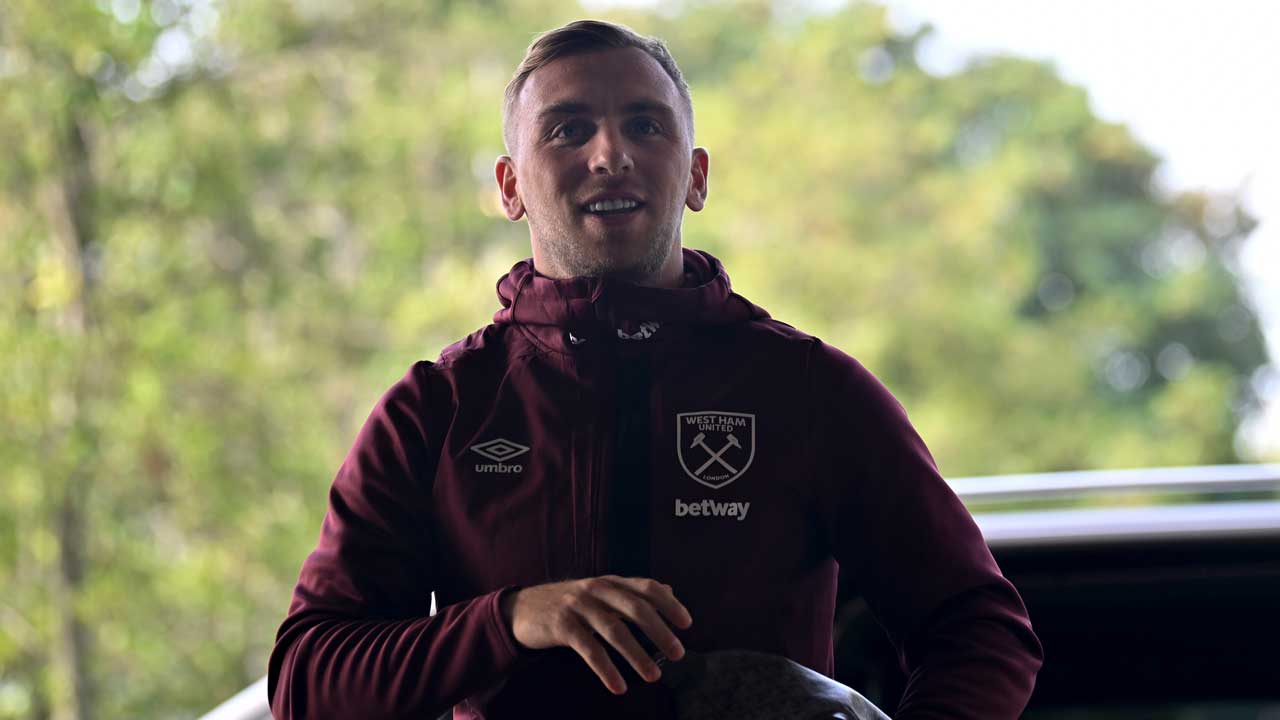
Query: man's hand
column 568, row 613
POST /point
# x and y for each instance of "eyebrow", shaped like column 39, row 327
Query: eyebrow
column 573, row 107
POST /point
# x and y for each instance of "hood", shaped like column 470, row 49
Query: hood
column 586, row 306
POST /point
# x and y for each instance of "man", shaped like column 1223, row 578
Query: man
column 631, row 460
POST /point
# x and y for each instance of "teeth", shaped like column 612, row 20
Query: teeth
column 606, row 205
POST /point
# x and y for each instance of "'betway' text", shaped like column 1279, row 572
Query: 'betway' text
column 711, row 508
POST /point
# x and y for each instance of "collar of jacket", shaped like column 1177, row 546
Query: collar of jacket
column 592, row 309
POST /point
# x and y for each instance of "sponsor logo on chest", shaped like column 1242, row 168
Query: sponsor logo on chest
column 715, row 447
column 711, row 508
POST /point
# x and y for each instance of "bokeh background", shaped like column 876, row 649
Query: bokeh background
column 227, row 226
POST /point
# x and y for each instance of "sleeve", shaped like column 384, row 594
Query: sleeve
column 358, row 640
column 960, row 628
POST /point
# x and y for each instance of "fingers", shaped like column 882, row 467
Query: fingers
column 597, row 659
column 660, row 595
column 640, row 600
column 664, row 598
column 628, row 614
column 614, row 630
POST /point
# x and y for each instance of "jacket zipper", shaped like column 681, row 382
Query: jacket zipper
column 589, row 453
column 601, row 437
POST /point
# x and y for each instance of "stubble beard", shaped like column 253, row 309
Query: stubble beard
column 578, row 260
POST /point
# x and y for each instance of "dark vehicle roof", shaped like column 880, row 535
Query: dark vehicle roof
column 1145, row 610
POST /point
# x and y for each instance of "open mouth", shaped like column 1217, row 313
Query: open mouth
column 610, row 209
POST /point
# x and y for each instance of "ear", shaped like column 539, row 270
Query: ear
column 696, row 198
column 505, row 172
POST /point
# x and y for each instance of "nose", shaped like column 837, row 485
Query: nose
column 608, row 152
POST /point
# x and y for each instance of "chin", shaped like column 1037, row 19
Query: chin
column 636, row 257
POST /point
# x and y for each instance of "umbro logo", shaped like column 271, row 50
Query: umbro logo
column 500, row 451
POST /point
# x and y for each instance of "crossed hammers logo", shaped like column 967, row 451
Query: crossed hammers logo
column 730, row 442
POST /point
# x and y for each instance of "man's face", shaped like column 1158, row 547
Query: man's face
column 603, row 124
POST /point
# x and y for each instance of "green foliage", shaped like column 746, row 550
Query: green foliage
column 226, row 227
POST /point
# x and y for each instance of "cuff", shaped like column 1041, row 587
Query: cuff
column 501, row 628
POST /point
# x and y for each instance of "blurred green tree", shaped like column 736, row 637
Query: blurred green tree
column 227, row 226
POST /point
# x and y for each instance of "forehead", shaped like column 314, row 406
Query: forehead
column 605, row 77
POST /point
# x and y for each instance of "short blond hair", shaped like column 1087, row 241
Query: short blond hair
column 583, row 36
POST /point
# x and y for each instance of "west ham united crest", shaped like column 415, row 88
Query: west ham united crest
column 715, row 447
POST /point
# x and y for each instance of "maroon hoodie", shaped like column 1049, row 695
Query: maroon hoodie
column 599, row 427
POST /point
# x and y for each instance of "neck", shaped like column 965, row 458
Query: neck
column 670, row 275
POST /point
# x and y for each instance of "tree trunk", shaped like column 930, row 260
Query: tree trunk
column 79, row 239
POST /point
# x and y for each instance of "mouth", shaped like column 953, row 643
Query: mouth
column 612, row 209
column 613, row 216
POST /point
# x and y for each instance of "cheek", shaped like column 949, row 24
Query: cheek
column 553, row 185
